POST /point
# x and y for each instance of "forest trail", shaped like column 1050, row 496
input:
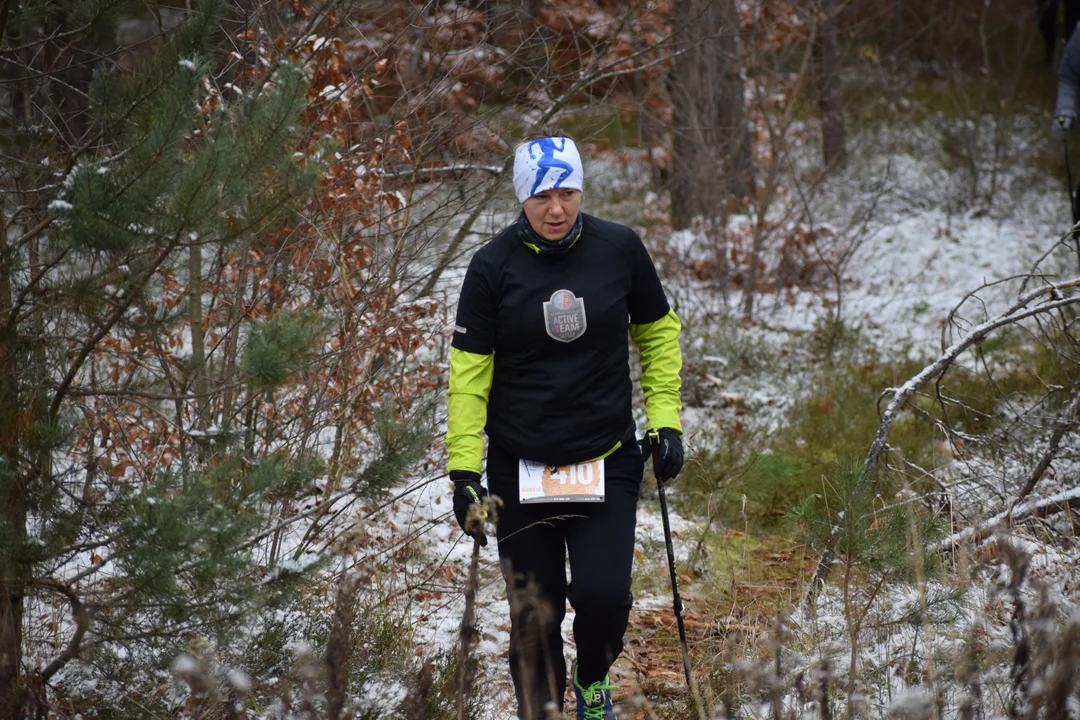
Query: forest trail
column 724, row 616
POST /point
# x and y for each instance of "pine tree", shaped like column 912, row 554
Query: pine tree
column 147, row 553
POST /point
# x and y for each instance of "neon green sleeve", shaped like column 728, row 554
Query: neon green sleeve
column 467, row 400
column 661, row 362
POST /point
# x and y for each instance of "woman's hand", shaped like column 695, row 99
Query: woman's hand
column 667, row 453
column 468, row 492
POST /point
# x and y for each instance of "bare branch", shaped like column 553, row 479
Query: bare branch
column 82, row 623
column 1011, row 316
column 1068, row 500
column 1064, row 422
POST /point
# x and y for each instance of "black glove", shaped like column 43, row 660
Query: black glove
column 667, row 453
column 467, row 492
column 1062, row 125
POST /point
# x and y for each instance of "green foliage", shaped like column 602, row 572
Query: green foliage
column 278, row 347
column 402, row 442
column 851, row 519
column 834, row 339
column 836, row 423
column 178, row 545
column 780, row 479
column 184, row 570
column 171, row 551
column 777, row 472
column 237, row 484
column 181, row 179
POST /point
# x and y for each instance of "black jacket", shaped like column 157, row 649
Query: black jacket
column 558, row 326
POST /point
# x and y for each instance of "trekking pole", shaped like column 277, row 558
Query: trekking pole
column 678, row 606
column 1072, row 199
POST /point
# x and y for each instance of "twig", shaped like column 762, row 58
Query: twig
column 467, row 635
column 480, row 515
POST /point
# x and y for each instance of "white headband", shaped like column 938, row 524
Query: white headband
column 546, row 163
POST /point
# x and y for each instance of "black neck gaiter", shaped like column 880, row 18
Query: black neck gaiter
column 532, row 239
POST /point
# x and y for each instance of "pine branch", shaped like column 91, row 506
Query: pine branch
column 106, row 327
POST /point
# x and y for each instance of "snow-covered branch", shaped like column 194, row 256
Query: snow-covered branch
column 455, row 169
column 1014, row 314
column 1018, row 513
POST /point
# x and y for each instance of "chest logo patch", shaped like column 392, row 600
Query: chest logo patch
column 564, row 316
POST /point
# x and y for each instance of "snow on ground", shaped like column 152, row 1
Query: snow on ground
column 911, row 266
column 916, row 262
column 437, row 618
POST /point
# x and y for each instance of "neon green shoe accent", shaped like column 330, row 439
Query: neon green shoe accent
column 596, row 696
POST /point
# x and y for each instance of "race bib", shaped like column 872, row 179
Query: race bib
column 539, row 483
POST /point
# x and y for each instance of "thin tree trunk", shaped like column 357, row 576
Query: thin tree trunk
column 13, row 501
column 198, row 339
column 13, row 509
column 768, row 189
column 828, row 86
column 68, row 65
column 692, row 163
column 252, row 401
column 226, row 383
column 334, row 469
column 650, row 131
column 753, row 271
column 896, row 25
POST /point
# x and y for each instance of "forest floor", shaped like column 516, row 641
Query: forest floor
column 743, row 566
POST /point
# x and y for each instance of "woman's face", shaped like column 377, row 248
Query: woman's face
column 552, row 213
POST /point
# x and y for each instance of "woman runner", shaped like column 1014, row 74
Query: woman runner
column 540, row 361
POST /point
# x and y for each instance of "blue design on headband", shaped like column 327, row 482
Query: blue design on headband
column 548, row 161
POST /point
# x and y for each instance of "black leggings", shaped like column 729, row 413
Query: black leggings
column 533, row 544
